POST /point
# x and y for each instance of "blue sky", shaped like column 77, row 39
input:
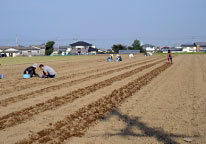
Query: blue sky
column 102, row 22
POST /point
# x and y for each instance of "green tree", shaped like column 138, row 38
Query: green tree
column 137, row 46
column 49, row 47
column 117, row 47
column 60, row 52
column 130, row 48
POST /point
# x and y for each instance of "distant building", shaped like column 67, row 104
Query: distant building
column 12, row 51
column 172, row 49
column 149, row 48
column 164, row 49
column 201, row 46
column 189, row 47
column 82, row 47
column 194, row 47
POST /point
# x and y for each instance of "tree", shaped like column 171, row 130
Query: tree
column 60, row 52
column 130, row 48
column 49, row 47
column 117, row 47
column 136, row 46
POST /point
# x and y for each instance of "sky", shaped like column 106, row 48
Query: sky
column 102, row 22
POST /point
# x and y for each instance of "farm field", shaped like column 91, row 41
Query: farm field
column 142, row 100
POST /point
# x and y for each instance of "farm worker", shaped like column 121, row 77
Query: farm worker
column 119, row 58
column 131, row 56
column 111, row 56
column 169, row 56
column 48, row 72
column 31, row 70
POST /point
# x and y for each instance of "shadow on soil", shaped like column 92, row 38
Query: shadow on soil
column 147, row 131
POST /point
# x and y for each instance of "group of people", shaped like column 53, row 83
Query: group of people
column 48, row 72
column 147, row 54
column 118, row 58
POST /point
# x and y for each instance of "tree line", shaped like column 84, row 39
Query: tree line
column 135, row 46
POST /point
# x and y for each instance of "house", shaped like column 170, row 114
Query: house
column 64, row 50
column 201, row 46
column 82, row 47
column 12, row 51
column 189, row 47
column 194, row 47
column 41, row 48
column 149, row 48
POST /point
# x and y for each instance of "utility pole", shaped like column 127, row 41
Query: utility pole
column 57, row 41
column 17, row 40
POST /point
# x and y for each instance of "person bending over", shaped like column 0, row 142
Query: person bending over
column 119, row 58
column 48, row 72
column 31, row 70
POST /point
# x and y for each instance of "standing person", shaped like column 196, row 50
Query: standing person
column 48, row 72
column 31, row 70
column 169, row 56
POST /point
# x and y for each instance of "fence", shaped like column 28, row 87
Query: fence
column 128, row 51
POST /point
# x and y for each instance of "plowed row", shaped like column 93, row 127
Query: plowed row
column 75, row 124
column 30, row 84
column 33, row 94
column 22, row 101
column 17, row 117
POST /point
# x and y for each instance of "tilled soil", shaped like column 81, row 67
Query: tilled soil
column 143, row 100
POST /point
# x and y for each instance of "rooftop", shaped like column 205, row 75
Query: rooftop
column 80, row 43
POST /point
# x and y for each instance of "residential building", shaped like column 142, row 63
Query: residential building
column 201, row 46
column 12, row 51
column 82, row 47
column 149, row 48
column 189, row 47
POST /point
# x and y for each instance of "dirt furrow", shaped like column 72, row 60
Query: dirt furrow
column 33, row 84
column 11, row 70
column 20, row 116
column 18, row 85
column 77, row 123
column 10, row 100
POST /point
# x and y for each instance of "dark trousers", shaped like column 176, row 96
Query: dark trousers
column 49, row 76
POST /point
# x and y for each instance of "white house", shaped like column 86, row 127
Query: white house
column 149, row 47
column 12, row 51
column 189, row 47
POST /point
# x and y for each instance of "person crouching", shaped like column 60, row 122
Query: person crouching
column 48, row 72
column 119, row 58
column 31, row 70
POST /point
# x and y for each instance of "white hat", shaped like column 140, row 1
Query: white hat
column 35, row 65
